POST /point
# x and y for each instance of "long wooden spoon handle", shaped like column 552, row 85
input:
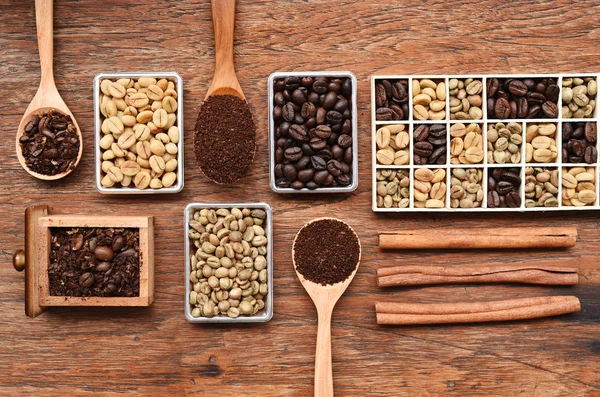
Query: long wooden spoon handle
column 223, row 17
column 44, row 23
column 323, row 370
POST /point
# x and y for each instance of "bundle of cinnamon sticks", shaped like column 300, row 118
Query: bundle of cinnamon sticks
column 539, row 272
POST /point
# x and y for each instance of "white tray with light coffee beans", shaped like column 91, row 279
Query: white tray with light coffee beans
column 479, row 143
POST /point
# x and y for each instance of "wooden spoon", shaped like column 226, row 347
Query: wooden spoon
column 324, row 297
column 224, row 81
column 47, row 96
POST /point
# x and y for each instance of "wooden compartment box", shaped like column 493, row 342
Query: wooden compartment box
column 35, row 259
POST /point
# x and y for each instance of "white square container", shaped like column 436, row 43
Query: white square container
column 266, row 313
column 343, row 189
column 171, row 76
column 411, row 167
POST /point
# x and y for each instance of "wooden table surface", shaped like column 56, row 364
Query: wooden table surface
column 155, row 351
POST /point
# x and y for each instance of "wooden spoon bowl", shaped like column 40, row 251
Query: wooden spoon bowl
column 47, row 96
column 324, row 298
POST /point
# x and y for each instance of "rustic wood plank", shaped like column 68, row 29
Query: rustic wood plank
column 154, row 351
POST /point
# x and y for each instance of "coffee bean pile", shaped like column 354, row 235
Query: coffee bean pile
column 503, row 188
column 579, row 142
column 50, row 144
column 94, row 262
column 430, row 144
column 391, row 100
column 313, row 132
column 522, row 98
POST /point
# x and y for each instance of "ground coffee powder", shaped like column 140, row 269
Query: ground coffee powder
column 326, row 251
column 224, row 139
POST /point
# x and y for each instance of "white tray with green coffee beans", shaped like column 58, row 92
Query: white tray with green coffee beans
column 445, row 143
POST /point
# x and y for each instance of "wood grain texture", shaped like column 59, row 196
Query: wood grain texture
column 154, row 351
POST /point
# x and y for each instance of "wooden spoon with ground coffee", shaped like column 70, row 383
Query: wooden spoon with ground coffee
column 326, row 256
column 49, row 144
column 224, row 138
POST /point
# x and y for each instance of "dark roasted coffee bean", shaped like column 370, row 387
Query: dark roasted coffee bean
column 399, row 92
column 291, row 83
column 491, row 106
column 419, row 160
column 333, row 138
column 423, row 149
column 330, row 100
column 577, row 147
column 504, row 187
column 303, row 163
column 334, row 167
column 536, row 98
column 341, row 105
column 293, row 154
column 438, row 154
column 308, row 110
column 552, row 93
column 289, row 172
column 334, row 117
column 421, row 133
column 306, row 81
column 591, row 132
column 437, row 141
column 343, row 179
column 346, row 127
column 348, row 156
column 492, row 87
column 306, row 175
column 118, row 243
column 517, row 88
column 347, row 88
column 320, row 177
column 513, row 200
column 384, row 114
column 298, row 133
column 320, row 86
column 282, row 183
column 591, row 155
column 86, row 280
column 511, row 177
column 284, row 128
column 502, row 108
column 104, row 253
column 534, row 111
column 337, row 151
column 388, row 88
column 279, row 170
column 437, row 130
column 326, row 154
column 493, row 199
column 277, row 113
column 345, row 141
column 288, row 112
column 323, row 131
column 497, row 174
column 513, row 109
column 318, row 163
column 522, row 108
column 297, row 185
column 317, row 143
column 321, row 114
column 550, row 109
column 313, row 98
column 491, row 183
column 278, row 99
column 103, row 267
column 397, row 112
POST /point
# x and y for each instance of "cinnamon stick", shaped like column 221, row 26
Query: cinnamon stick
column 480, row 238
column 473, row 312
column 540, row 272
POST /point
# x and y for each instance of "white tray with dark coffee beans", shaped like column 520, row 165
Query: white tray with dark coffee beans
column 444, row 143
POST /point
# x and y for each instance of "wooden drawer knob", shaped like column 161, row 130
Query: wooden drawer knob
column 19, row 260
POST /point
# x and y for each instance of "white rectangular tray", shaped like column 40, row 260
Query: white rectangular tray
column 484, row 124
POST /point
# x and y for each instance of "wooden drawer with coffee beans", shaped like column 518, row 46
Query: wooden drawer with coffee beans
column 77, row 260
column 485, row 143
